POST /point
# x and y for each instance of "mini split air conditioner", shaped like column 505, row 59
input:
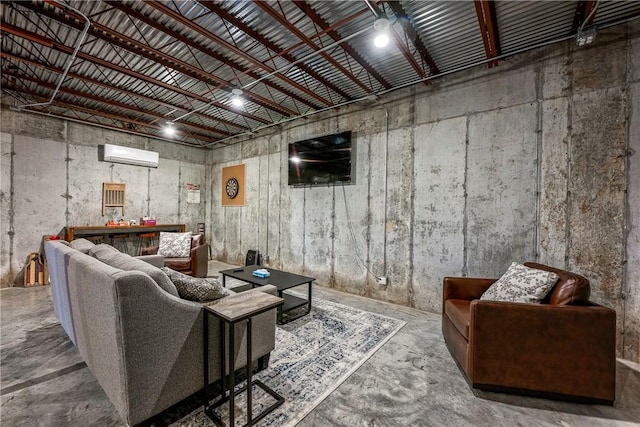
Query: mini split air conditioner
column 130, row 156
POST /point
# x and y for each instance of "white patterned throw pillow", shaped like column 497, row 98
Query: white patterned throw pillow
column 521, row 284
column 175, row 245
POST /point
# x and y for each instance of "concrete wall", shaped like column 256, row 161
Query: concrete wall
column 631, row 275
column 527, row 161
column 51, row 178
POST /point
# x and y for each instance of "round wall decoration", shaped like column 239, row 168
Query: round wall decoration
column 232, row 185
column 232, row 188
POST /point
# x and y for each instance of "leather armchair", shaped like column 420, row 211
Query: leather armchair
column 196, row 264
column 563, row 348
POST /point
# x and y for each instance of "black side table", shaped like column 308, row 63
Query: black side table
column 231, row 312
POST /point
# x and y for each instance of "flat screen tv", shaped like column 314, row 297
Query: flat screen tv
column 324, row 160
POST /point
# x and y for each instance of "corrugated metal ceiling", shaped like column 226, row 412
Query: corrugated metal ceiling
column 144, row 63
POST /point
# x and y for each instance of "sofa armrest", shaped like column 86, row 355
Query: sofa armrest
column 200, row 260
column 465, row 288
column 151, row 250
column 565, row 350
column 155, row 260
column 162, row 344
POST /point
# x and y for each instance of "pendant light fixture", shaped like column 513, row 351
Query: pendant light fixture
column 381, row 25
column 236, row 98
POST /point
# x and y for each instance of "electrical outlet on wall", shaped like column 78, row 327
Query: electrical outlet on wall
column 382, row 280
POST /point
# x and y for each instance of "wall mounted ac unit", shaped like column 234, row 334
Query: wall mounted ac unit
column 130, row 156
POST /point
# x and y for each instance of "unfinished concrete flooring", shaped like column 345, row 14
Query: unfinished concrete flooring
column 411, row 381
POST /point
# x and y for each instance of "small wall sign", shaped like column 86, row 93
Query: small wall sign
column 193, row 193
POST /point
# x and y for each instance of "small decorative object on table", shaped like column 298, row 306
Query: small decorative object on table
column 262, row 273
column 147, row 220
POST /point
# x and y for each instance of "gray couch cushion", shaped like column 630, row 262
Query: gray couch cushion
column 101, row 248
column 197, row 289
column 83, row 245
column 113, row 257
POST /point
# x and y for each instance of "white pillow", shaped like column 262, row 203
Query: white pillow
column 521, row 284
column 175, row 245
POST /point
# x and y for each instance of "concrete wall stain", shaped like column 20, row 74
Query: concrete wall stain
column 48, row 196
column 450, row 189
column 581, row 123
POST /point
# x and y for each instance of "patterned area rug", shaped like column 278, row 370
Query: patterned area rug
column 313, row 356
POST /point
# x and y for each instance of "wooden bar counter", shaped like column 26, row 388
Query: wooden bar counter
column 101, row 230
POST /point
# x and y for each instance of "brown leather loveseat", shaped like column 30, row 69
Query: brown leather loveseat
column 196, row 264
column 563, row 348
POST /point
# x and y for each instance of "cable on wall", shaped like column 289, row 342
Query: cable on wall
column 352, row 235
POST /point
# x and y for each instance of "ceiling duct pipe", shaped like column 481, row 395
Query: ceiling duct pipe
column 373, row 9
column 69, row 62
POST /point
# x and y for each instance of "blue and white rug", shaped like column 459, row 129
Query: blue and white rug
column 313, row 356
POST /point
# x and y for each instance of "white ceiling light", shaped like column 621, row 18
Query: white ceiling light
column 169, row 130
column 381, row 40
column 236, row 99
column 382, row 32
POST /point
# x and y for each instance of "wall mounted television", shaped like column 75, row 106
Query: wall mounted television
column 325, row 160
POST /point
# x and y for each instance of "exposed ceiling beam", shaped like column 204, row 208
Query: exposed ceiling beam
column 411, row 33
column 156, row 55
column 486, row 11
column 11, row 29
column 224, row 14
column 217, row 56
column 123, row 119
column 318, row 20
column 126, row 92
column 111, row 102
column 219, row 40
column 295, row 31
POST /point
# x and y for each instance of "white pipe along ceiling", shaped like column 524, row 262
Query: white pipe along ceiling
column 215, row 71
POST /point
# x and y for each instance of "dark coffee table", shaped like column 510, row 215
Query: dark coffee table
column 282, row 281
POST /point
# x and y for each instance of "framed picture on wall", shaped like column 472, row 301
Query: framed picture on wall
column 233, row 185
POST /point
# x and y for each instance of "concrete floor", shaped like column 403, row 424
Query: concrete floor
column 411, row 381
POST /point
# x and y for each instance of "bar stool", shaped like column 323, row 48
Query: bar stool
column 150, row 240
column 201, row 230
column 120, row 240
column 95, row 239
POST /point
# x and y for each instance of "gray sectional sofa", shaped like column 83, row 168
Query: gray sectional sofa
column 141, row 341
